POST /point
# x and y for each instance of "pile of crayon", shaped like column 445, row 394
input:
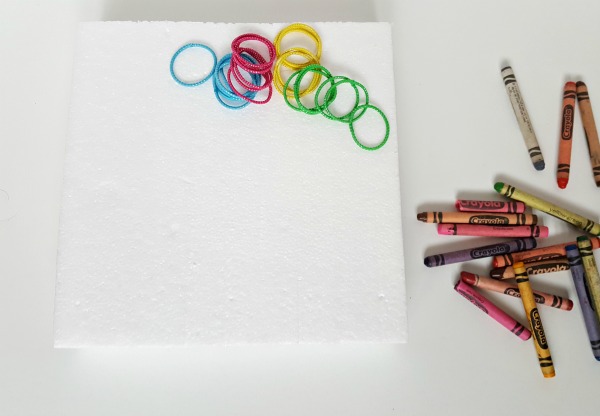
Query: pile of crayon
column 515, row 260
column 571, row 91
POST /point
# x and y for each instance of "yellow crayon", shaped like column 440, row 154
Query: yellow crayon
column 549, row 208
column 533, row 316
column 592, row 277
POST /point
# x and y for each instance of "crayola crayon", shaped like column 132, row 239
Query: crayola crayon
column 480, row 252
column 566, row 134
column 488, row 218
column 518, row 105
column 557, row 264
column 535, row 321
column 537, row 254
column 592, row 277
column 538, row 231
column 493, row 311
column 510, row 207
column 541, row 298
column 549, row 208
column 590, row 318
column 589, row 127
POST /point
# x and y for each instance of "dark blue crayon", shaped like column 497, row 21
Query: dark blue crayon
column 589, row 315
column 491, row 250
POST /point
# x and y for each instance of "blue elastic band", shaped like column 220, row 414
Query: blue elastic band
column 222, row 88
column 203, row 80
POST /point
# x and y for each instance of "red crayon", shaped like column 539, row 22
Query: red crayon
column 470, row 205
column 486, row 306
column 539, row 231
column 566, row 135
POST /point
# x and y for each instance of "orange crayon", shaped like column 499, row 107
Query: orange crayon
column 566, row 135
column 538, row 254
column 489, row 218
column 589, row 127
column 557, row 264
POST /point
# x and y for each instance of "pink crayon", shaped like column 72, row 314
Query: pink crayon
column 492, row 310
column 469, row 205
column 539, row 231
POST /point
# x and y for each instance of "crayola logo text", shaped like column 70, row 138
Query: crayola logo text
column 567, row 123
column 538, row 329
column 491, row 251
column 488, row 219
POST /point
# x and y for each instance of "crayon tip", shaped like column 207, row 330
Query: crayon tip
column 569, row 304
column 539, row 165
column 422, row 216
column 570, row 84
column 562, row 182
column 582, row 238
column 468, row 278
column 498, row 186
column 549, row 375
column 543, row 232
column 580, row 84
column 597, row 358
column 427, row 261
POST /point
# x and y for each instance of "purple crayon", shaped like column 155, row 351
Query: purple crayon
column 519, row 244
column 589, row 316
column 485, row 305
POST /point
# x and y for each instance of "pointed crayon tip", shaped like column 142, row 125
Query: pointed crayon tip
column 422, row 216
column 539, row 165
column 562, row 182
column 468, row 278
column 498, row 186
column 580, row 84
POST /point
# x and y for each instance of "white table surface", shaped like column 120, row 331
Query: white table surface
column 457, row 136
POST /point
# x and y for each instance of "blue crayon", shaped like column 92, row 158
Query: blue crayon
column 589, row 315
column 520, row 244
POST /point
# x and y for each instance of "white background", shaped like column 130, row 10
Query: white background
column 457, row 136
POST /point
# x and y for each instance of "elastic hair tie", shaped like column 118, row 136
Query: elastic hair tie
column 194, row 83
column 365, row 107
column 304, row 29
column 319, row 69
column 223, row 90
column 256, row 68
column 278, row 80
column 259, row 66
column 332, row 92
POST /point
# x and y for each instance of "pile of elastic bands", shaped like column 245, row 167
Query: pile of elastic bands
column 240, row 75
column 250, row 70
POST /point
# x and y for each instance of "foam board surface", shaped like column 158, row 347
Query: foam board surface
column 186, row 223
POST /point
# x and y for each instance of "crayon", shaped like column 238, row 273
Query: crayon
column 488, row 218
column 537, row 254
column 493, row 311
column 480, row 252
column 535, row 321
column 589, row 127
column 539, row 231
column 549, row 208
column 566, row 134
column 590, row 319
column 484, row 282
column 557, row 264
column 518, row 105
column 510, row 207
column 592, row 277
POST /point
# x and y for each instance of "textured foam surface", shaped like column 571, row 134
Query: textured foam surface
column 186, row 223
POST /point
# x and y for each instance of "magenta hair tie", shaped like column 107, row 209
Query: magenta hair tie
column 261, row 67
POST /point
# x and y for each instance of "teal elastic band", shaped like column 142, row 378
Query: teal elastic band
column 203, row 80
